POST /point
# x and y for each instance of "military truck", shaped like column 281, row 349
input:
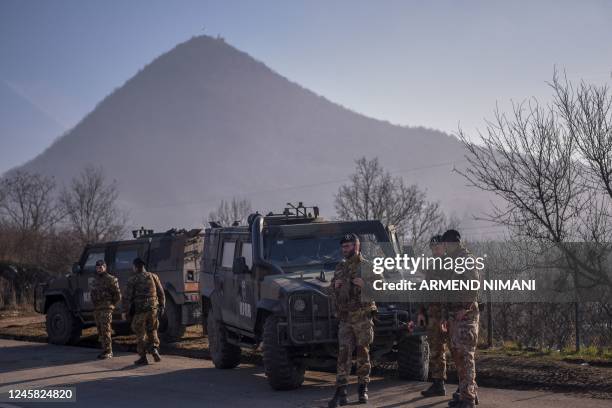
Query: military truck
column 266, row 284
column 173, row 255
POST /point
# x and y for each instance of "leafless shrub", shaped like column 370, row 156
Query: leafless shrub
column 373, row 194
column 236, row 210
column 90, row 205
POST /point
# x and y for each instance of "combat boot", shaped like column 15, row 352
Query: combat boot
column 457, row 398
column 340, row 397
column 363, row 393
column 105, row 354
column 436, row 389
column 142, row 360
column 155, row 354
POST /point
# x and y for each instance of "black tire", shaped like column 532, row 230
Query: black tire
column 170, row 328
column 413, row 358
column 62, row 326
column 224, row 354
column 282, row 372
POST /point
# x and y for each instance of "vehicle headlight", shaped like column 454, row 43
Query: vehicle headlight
column 299, row 305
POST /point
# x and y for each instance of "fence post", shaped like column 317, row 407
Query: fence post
column 489, row 315
column 577, row 319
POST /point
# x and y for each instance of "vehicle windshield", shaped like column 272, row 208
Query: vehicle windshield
column 320, row 250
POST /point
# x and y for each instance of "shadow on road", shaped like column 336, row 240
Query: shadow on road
column 24, row 357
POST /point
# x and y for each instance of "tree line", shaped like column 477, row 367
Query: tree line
column 43, row 227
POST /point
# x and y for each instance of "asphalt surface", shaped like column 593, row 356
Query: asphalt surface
column 187, row 382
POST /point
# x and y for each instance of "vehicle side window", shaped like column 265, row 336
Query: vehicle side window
column 227, row 260
column 124, row 259
column 247, row 253
column 90, row 262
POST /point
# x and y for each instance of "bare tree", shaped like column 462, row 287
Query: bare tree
column 27, row 202
column 527, row 160
column 90, row 204
column 373, row 194
column 587, row 113
column 236, row 210
column 535, row 159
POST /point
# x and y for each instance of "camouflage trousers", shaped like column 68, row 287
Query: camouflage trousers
column 145, row 325
column 463, row 338
column 355, row 334
column 438, row 343
column 104, row 318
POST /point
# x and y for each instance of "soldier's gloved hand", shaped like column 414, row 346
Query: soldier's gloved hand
column 410, row 327
column 358, row 282
column 444, row 326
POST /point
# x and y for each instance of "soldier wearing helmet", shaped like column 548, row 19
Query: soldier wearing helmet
column 145, row 299
column 463, row 326
column 355, row 315
column 105, row 294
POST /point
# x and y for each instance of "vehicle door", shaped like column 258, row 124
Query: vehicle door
column 244, row 284
column 224, row 278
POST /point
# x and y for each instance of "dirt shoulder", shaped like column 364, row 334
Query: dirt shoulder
column 496, row 368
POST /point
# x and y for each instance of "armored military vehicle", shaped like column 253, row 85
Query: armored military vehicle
column 266, row 284
column 173, row 255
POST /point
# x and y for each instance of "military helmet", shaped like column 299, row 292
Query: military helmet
column 451, row 236
column 138, row 262
column 350, row 237
column 436, row 239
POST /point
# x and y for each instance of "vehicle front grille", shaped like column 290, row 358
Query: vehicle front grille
column 314, row 323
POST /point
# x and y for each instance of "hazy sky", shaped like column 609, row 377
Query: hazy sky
column 425, row 63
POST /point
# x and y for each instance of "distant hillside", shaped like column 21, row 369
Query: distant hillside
column 24, row 129
column 206, row 121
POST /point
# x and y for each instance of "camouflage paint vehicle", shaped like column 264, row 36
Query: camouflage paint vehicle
column 173, row 255
column 266, row 283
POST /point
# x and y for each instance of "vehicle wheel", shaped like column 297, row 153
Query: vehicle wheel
column 413, row 358
column 223, row 354
column 170, row 327
column 282, row 372
column 62, row 326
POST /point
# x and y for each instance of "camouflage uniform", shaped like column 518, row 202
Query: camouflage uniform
column 144, row 294
column 105, row 294
column 464, row 333
column 437, row 339
column 356, row 328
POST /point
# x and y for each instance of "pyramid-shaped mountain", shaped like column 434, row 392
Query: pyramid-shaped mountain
column 205, row 122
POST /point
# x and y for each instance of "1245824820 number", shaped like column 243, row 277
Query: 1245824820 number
column 42, row 394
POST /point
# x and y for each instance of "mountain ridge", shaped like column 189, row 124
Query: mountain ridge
column 206, row 121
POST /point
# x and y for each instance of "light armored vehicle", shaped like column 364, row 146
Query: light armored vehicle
column 173, row 255
column 266, row 284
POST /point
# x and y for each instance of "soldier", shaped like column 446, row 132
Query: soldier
column 463, row 326
column 356, row 327
column 145, row 299
column 105, row 294
column 437, row 335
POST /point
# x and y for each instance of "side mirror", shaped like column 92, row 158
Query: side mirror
column 76, row 268
column 239, row 266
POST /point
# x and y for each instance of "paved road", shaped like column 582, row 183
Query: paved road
column 186, row 382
